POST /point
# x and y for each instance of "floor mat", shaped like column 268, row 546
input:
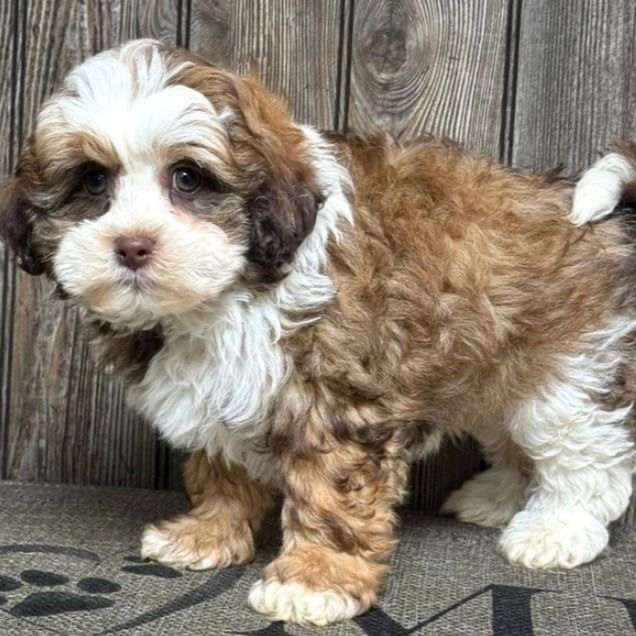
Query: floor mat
column 69, row 564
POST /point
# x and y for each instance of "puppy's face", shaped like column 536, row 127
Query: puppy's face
column 154, row 182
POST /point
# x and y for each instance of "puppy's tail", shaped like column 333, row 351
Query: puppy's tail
column 609, row 182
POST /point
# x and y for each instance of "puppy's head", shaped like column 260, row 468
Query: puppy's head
column 154, row 182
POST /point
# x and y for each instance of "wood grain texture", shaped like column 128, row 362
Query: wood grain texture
column 8, row 152
column 576, row 81
column 430, row 66
column 62, row 420
column 293, row 46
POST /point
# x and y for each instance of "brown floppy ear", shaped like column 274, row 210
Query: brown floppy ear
column 283, row 207
column 16, row 228
column 282, row 216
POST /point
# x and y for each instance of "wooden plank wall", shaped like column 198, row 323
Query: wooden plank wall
column 532, row 83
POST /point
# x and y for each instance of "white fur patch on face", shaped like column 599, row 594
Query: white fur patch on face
column 122, row 97
column 294, row 602
column 193, row 262
column 600, row 188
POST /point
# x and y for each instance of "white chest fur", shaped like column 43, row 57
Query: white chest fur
column 212, row 383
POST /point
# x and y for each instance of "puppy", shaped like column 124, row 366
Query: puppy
column 308, row 312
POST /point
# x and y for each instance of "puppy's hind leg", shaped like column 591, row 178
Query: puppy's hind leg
column 583, row 459
column 228, row 506
column 493, row 497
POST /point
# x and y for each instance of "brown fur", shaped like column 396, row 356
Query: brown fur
column 459, row 287
column 125, row 354
column 227, row 510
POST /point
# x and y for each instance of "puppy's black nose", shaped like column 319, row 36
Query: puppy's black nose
column 134, row 251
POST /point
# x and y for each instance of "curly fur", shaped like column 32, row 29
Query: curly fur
column 324, row 309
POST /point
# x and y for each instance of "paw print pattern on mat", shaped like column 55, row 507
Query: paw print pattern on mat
column 51, row 602
column 40, row 578
column 7, row 584
column 34, row 594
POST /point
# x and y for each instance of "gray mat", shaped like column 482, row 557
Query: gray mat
column 69, row 565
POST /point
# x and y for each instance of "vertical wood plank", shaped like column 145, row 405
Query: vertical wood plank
column 292, row 44
column 8, row 44
column 576, row 87
column 433, row 66
column 62, row 420
column 576, row 81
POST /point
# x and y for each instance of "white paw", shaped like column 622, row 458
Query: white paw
column 600, row 188
column 160, row 546
column 489, row 499
column 294, row 602
column 545, row 539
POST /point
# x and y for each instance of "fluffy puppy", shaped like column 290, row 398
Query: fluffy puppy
column 307, row 312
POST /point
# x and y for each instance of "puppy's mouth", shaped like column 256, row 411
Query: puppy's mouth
column 141, row 280
column 138, row 299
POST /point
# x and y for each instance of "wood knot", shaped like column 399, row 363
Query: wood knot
column 387, row 50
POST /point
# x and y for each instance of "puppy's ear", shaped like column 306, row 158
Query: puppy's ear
column 16, row 228
column 283, row 208
column 282, row 215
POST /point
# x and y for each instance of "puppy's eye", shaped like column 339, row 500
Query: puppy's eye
column 95, row 181
column 186, row 179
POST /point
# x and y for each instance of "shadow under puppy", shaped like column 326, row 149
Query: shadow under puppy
column 308, row 312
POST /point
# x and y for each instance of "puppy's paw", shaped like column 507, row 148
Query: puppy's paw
column 197, row 544
column 315, row 585
column 546, row 539
column 489, row 499
column 294, row 602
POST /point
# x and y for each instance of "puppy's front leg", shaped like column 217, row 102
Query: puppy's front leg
column 337, row 524
column 228, row 506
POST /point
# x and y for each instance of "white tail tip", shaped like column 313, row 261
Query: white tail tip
column 600, row 188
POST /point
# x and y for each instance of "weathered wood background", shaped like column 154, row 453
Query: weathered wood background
column 529, row 82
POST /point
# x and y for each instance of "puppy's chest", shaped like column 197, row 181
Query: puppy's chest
column 211, row 394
